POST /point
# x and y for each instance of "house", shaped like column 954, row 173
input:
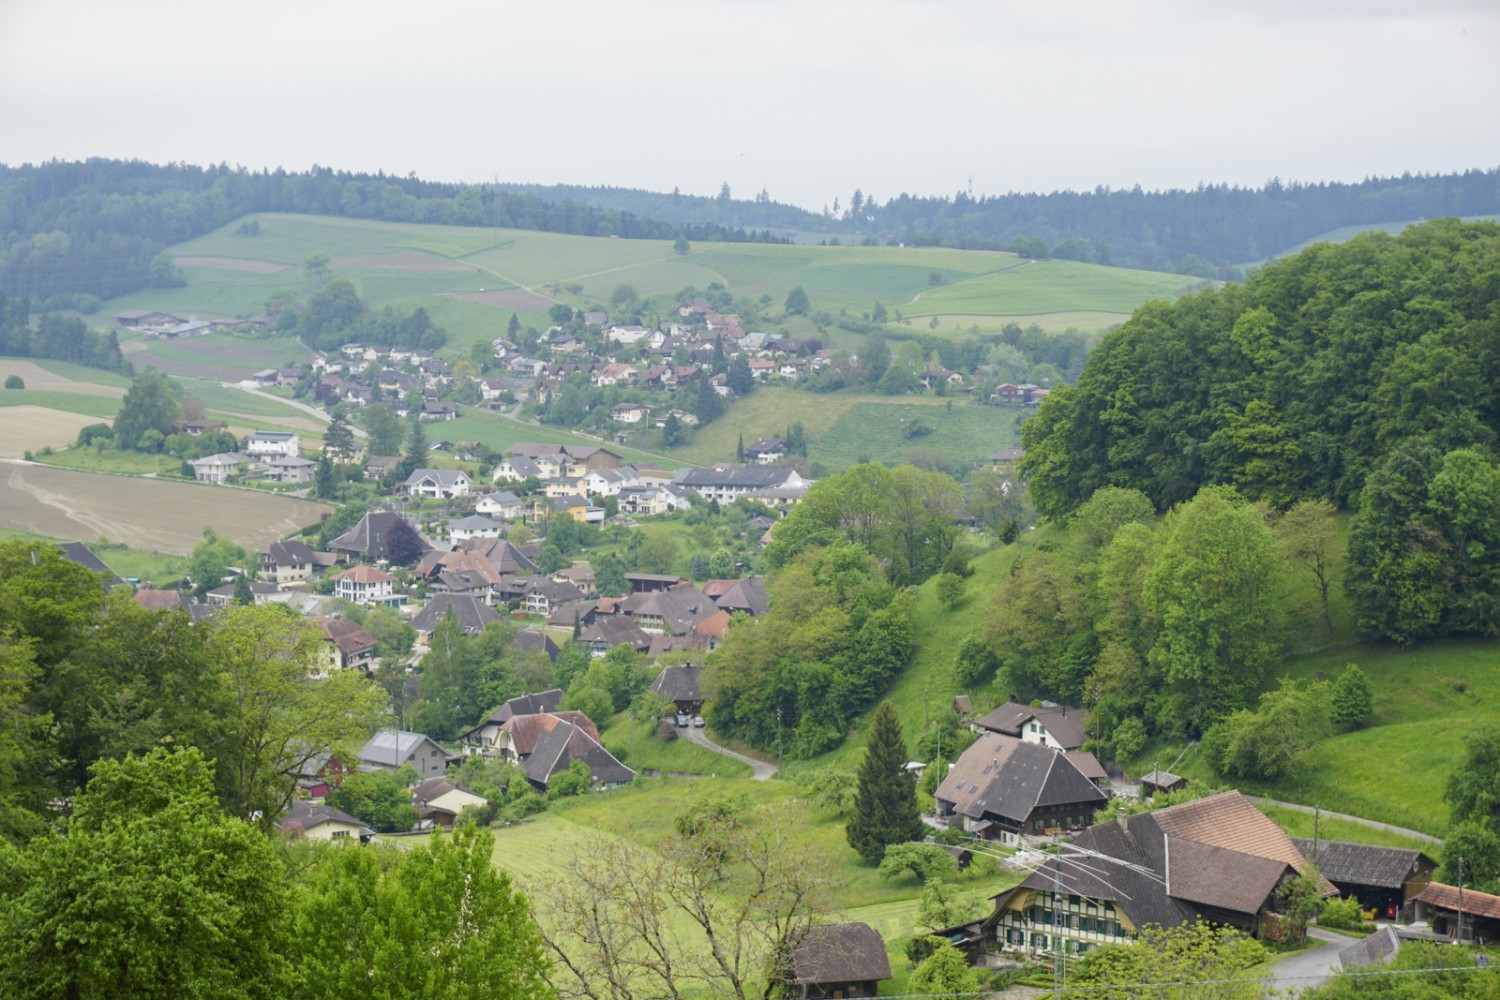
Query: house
column 77, row 552
column 536, row 641
column 1059, row 726
column 483, row 739
column 505, row 558
column 726, row 483
column 566, row 742
column 669, row 612
column 474, row 527
column 219, row 468
column 747, row 596
column 438, row 484
column 273, row 444
column 287, row 562
column 680, row 685
column 197, row 428
column 260, row 593
column 516, row 468
column 608, row 631
column 615, row 373
column 1384, row 879
column 520, row 734
column 544, row 594
column 629, row 413
column 145, row 319
column 368, row 539
column 472, row 613
column 350, row 646
column 380, row 466
column 764, row 451
column 651, row 583
column 1002, row 788
column 439, row 802
column 609, row 482
column 291, row 470
column 840, row 960
column 1217, row 859
column 439, row 411
column 503, row 504
column 390, row 749
column 367, row 585
column 322, row 822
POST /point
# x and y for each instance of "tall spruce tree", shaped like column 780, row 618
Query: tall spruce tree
column 885, row 798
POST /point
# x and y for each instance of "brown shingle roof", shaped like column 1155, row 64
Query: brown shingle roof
column 840, row 953
column 1362, row 864
column 1231, row 821
column 1475, row 903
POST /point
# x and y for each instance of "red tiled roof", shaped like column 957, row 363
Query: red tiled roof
column 365, row 574
column 1446, row 897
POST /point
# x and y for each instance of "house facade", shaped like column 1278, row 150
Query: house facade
column 265, row 445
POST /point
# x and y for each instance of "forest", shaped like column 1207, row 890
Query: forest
column 97, row 228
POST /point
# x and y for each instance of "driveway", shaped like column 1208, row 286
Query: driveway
column 762, row 770
column 1313, row 967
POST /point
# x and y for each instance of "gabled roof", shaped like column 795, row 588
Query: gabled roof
column 288, row 553
column 506, row 557
column 368, row 537
column 533, row 641
column 391, row 747
column 365, row 574
column 302, row 816
column 1363, row 864
column 1231, row 821
column 527, row 730
column 680, row 683
column 438, row 477
column 349, row 636
column 744, row 476
column 1480, row 904
column 615, row 630
column 1067, row 725
column 840, row 953
column 1005, row 777
column 84, row 556
column 472, row 613
column 566, row 742
column 679, row 610
column 748, row 595
column 529, row 704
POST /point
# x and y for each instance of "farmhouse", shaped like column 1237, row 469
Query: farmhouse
column 726, row 483
column 680, row 685
column 566, row 742
column 472, row 614
column 1002, row 788
column 368, row 538
column 1057, row 726
column 484, row 739
column 1218, row 859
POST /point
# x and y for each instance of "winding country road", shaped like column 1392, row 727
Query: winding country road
column 762, row 770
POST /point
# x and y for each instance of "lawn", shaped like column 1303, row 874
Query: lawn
column 957, row 436
column 124, row 463
column 679, row 755
column 88, row 405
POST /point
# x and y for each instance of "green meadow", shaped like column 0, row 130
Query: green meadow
column 471, row 279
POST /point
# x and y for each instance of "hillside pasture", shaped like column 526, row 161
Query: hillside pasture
column 1038, row 287
column 154, row 514
column 215, row 356
column 960, row 437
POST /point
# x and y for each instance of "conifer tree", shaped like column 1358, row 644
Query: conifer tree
column 885, row 798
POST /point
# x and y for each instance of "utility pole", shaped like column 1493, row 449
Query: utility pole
column 1317, row 816
column 1460, row 938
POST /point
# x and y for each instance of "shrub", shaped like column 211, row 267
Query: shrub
column 14, row 382
column 1342, row 914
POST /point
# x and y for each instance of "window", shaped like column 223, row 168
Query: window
column 1039, row 940
column 1085, row 924
column 1033, row 727
column 1073, row 900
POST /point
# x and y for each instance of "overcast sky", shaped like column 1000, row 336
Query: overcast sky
column 803, row 98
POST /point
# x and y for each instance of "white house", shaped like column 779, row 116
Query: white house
column 291, row 470
column 609, row 482
column 218, row 468
column 473, row 527
column 273, row 444
column 437, row 484
column 365, row 585
column 503, row 505
column 629, row 413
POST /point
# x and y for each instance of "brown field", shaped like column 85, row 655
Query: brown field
column 143, row 513
column 232, row 264
column 32, row 428
column 403, row 261
column 41, row 379
column 514, row 299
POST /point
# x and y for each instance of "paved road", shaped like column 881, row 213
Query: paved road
column 322, row 415
column 1313, row 967
column 762, row 770
column 1427, row 837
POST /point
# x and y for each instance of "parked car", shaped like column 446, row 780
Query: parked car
column 698, row 721
column 682, row 720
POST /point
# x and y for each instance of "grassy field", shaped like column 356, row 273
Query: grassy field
column 501, row 433
column 471, row 279
column 678, row 755
column 216, row 356
column 844, row 428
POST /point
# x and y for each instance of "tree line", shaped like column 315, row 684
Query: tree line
column 57, row 337
column 1292, row 386
column 96, row 227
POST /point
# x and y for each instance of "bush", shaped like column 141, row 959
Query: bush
column 14, row 382
column 1342, row 914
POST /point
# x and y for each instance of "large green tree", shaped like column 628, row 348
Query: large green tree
column 885, row 798
column 1215, row 586
column 153, row 892
column 150, row 404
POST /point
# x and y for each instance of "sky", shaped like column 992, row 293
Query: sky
column 805, row 99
